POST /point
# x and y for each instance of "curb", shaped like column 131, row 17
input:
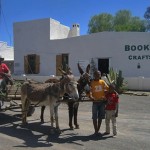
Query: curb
column 138, row 93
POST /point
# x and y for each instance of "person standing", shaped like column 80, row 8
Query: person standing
column 98, row 87
column 111, row 110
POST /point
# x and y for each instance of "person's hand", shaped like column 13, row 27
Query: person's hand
column 117, row 95
column 11, row 82
column 92, row 98
column 116, row 114
column 105, row 101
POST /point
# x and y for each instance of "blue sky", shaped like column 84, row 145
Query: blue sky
column 66, row 12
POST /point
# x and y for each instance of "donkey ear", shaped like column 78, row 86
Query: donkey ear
column 62, row 71
column 88, row 68
column 80, row 69
column 69, row 71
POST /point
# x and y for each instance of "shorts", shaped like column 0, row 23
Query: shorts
column 98, row 110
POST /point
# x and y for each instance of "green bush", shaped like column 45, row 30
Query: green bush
column 118, row 80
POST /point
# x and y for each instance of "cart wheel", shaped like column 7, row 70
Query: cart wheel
column 0, row 105
column 30, row 111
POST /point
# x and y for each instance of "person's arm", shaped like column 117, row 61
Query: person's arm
column 106, row 87
column 117, row 106
column 116, row 93
column 6, row 69
column 7, row 74
column 91, row 96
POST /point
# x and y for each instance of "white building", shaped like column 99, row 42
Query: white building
column 41, row 46
column 7, row 52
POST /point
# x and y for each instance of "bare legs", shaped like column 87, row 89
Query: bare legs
column 97, row 125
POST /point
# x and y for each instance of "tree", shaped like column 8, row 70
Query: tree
column 122, row 21
column 93, row 67
column 102, row 22
column 147, row 17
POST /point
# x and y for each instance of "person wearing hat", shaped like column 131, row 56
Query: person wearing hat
column 4, row 74
column 98, row 88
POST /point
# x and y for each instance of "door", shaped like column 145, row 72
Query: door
column 103, row 65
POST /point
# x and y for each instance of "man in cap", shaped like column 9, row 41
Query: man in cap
column 4, row 74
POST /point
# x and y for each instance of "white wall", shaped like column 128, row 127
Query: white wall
column 30, row 37
column 107, row 45
column 138, row 83
column 6, row 51
column 57, row 30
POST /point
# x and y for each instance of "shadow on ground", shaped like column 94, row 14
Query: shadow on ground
column 36, row 134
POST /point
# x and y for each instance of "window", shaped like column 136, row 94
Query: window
column 32, row 64
column 62, row 61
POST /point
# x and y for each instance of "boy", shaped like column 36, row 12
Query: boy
column 111, row 110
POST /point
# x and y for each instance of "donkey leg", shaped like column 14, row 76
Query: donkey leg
column 75, row 107
column 25, row 107
column 52, row 119
column 23, row 113
column 42, row 114
column 52, row 115
column 56, row 116
column 71, row 111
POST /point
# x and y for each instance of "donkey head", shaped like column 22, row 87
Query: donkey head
column 69, row 83
column 84, row 79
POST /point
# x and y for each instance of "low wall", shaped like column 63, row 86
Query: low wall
column 132, row 83
column 36, row 78
column 137, row 83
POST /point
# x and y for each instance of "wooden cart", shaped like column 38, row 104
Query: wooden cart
column 11, row 99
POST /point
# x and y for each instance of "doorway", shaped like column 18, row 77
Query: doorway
column 103, row 65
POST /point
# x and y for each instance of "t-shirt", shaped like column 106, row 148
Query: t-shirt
column 98, row 89
column 3, row 69
column 112, row 100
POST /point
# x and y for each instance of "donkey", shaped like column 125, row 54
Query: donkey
column 44, row 94
column 83, row 81
column 51, row 80
column 54, row 80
